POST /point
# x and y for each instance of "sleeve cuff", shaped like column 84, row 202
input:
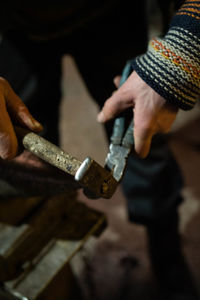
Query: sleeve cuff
column 171, row 66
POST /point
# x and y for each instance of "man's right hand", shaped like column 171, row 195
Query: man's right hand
column 12, row 111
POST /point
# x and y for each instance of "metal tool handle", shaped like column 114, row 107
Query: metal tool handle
column 48, row 151
column 128, row 140
column 118, row 128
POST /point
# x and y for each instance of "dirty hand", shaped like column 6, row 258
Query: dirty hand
column 152, row 113
column 12, row 110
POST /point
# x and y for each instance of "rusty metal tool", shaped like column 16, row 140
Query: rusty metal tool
column 96, row 180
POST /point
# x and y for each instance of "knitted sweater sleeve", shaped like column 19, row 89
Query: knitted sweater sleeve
column 171, row 65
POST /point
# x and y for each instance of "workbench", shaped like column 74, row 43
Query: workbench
column 38, row 237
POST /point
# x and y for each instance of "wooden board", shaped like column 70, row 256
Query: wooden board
column 35, row 253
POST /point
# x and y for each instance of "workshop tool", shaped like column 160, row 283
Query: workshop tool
column 96, row 180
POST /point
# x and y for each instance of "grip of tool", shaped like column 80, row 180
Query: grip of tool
column 118, row 128
column 48, row 151
column 128, row 140
column 96, row 180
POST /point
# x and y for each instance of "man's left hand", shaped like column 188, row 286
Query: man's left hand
column 152, row 113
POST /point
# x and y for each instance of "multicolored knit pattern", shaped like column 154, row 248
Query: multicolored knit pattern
column 171, row 66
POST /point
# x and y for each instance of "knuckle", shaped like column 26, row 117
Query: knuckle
column 4, row 85
column 8, row 147
column 8, row 155
column 21, row 109
column 3, row 80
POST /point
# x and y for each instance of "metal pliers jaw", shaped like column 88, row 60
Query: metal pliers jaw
column 121, row 144
column 116, row 159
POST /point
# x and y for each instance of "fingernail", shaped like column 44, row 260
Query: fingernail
column 101, row 117
column 33, row 124
column 37, row 124
column 30, row 122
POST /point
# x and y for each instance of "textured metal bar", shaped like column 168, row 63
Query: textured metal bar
column 88, row 174
column 50, row 153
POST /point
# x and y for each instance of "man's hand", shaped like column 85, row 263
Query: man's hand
column 12, row 110
column 152, row 113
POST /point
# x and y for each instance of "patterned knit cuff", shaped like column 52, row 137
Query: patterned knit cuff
column 171, row 66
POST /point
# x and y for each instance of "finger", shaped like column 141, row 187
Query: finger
column 142, row 145
column 118, row 102
column 8, row 139
column 144, row 130
column 18, row 111
column 116, row 81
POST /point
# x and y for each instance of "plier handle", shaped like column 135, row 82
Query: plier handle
column 121, row 142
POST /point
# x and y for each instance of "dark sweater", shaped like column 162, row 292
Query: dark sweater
column 171, row 66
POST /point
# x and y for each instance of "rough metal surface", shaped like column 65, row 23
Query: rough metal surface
column 97, row 180
column 51, row 153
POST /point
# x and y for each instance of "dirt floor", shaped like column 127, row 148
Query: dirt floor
column 116, row 265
